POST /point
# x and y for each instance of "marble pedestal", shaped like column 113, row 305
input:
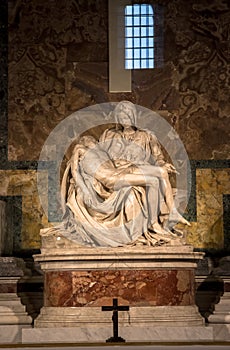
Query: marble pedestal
column 221, row 314
column 220, row 319
column 158, row 285
column 13, row 315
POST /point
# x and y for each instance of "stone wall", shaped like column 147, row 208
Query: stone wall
column 58, row 63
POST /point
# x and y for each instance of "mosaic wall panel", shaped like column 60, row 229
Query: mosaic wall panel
column 58, row 63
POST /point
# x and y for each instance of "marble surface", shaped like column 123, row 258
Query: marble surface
column 137, row 346
column 137, row 316
column 86, row 276
column 158, row 285
column 97, row 288
column 81, row 258
column 11, row 334
column 130, row 334
column 221, row 332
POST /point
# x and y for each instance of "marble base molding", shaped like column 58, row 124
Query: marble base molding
column 12, row 312
column 136, row 316
column 13, row 318
column 158, row 285
column 13, row 315
column 221, row 314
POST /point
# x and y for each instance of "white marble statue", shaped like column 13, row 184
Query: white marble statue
column 116, row 190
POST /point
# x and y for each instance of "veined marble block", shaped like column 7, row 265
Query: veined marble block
column 157, row 283
column 99, row 333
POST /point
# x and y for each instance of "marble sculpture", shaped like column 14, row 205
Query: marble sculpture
column 116, row 190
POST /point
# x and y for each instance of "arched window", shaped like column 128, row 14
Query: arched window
column 135, row 40
column 139, row 36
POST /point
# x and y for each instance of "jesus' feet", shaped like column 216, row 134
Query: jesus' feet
column 177, row 217
column 156, row 227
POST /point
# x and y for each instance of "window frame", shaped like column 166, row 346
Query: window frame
column 120, row 78
column 139, row 36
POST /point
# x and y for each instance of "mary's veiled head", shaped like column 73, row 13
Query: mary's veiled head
column 125, row 113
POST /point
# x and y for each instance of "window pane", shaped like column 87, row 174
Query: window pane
column 150, row 53
column 144, row 9
column 143, row 42
column 136, row 42
column 143, row 63
column 129, row 42
column 128, row 32
column 150, row 10
column 150, row 30
column 136, row 31
column 128, row 10
column 143, row 31
column 128, row 20
column 150, row 21
column 136, row 21
column 143, row 20
column 136, row 9
column 128, row 64
column 136, row 53
column 136, row 64
column 129, row 53
column 143, row 53
column 147, row 9
column 150, row 42
column 151, row 63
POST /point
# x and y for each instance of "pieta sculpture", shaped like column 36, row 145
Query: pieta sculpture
column 116, row 189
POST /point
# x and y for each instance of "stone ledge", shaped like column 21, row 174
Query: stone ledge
column 221, row 332
column 12, row 267
column 119, row 258
column 11, row 334
column 132, row 334
column 156, row 316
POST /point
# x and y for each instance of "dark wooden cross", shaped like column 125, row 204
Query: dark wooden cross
column 115, row 308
